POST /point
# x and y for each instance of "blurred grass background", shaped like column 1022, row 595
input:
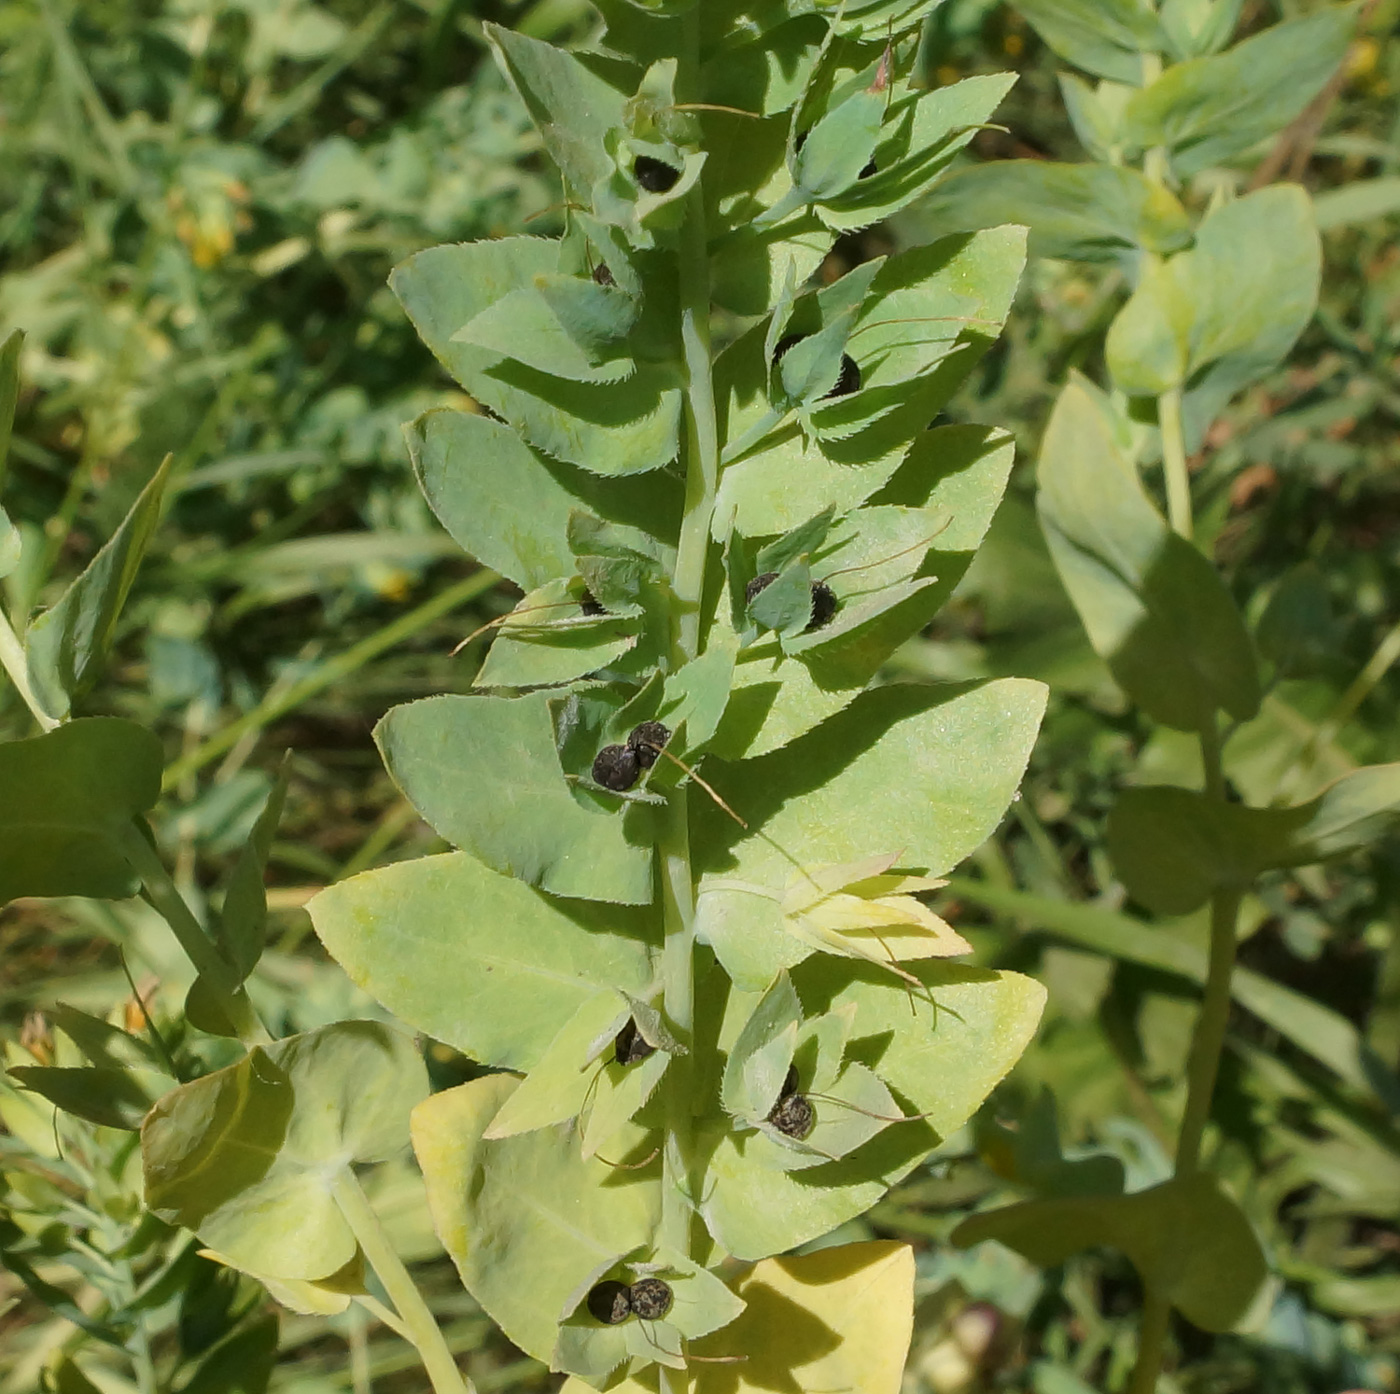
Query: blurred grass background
column 199, row 203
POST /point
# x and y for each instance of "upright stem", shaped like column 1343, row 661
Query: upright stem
column 1152, row 1343
column 701, row 429
column 701, row 478
column 1207, row 1043
column 1209, row 1038
column 1174, row 462
column 418, row 1320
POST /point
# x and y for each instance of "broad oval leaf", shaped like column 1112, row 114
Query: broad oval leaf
column 476, row 959
column 67, row 799
column 485, row 773
column 1189, row 1241
column 246, row 1157
column 609, row 428
column 1154, row 608
column 840, row 1318
column 1175, row 847
column 966, row 1029
column 924, row 772
column 1108, row 38
column 508, row 505
column 1079, row 211
column 1207, row 110
column 529, row 1223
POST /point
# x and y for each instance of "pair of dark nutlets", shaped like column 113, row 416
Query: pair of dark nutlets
column 793, row 1114
column 613, row 1302
column 823, row 598
column 618, row 767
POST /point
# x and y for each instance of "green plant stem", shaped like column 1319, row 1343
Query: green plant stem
column 702, row 444
column 1207, row 1043
column 199, row 948
column 13, row 660
column 678, row 973
column 1209, row 1038
column 701, row 478
column 356, row 1322
column 1174, row 462
column 412, row 1310
column 330, row 672
column 1152, row 1344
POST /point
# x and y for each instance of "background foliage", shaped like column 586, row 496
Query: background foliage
column 199, row 203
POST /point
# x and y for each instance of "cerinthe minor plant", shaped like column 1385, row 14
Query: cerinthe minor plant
column 683, row 928
column 736, row 1024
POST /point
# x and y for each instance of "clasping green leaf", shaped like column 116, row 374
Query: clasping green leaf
column 1190, row 1242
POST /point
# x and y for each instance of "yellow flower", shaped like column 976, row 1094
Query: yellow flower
column 862, row 910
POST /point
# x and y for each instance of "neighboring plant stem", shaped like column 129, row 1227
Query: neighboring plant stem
column 1174, row 462
column 1152, row 1343
column 1209, row 1038
column 13, row 660
column 418, row 1321
column 1207, row 1043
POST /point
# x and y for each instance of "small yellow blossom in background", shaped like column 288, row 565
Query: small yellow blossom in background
column 863, row 910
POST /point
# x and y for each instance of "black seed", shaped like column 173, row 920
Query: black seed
column 616, row 768
column 602, row 275
column 651, row 1298
column 849, row 381
column 823, row 605
column 871, row 168
column 630, row 1046
column 793, row 1116
column 759, row 583
column 655, row 176
column 588, row 603
column 610, row 1302
column 644, row 740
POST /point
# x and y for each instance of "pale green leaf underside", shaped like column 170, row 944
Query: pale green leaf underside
column 478, row 960
column 923, row 772
column 508, row 506
column 940, row 1059
column 484, row 772
column 244, row 1156
column 609, row 428
column 526, row 1220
